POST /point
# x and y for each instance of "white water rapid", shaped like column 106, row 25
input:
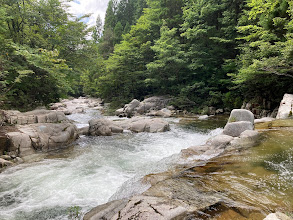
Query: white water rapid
column 89, row 173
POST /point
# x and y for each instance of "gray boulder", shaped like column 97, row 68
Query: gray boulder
column 220, row 141
column 286, row 105
column 20, row 143
column 36, row 116
column 241, row 115
column 149, row 125
column 100, row 127
column 165, row 113
column 234, row 129
column 154, row 103
column 40, row 137
column 103, row 127
column 131, row 106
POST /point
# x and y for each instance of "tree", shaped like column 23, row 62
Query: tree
column 266, row 53
column 167, row 70
column 210, row 30
column 98, row 29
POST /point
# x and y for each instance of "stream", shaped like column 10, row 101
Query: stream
column 90, row 172
column 252, row 182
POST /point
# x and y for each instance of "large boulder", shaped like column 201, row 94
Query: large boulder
column 240, row 120
column 241, row 115
column 153, row 104
column 149, row 125
column 103, row 127
column 131, row 106
column 40, row 137
column 286, row 105
column 234, row 129
column 220, row 141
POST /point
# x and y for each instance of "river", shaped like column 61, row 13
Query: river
column 92, row 171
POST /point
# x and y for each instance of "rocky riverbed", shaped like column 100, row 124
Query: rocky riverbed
column 191, row 186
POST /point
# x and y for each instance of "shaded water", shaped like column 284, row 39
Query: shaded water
column 89, row 173
column 253, row 182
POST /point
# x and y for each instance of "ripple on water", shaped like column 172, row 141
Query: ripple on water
column 91, row 174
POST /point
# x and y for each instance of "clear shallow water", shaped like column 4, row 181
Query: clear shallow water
column 90, row 173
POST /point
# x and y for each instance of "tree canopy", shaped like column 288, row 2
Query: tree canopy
column 202, row 52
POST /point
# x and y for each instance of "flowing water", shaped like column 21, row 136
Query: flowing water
column 252, row 182
column 89, row 173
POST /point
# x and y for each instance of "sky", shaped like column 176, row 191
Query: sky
column 95, row 7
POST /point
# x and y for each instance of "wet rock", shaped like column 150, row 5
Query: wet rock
column 104, row 127
column 5, row 157
column 40, row 137
column 18, row 160
column 277, row 216
column 20, row 143
column 203, row 117
column 195, row 150
column 250, row 134
column 220, row 141
column 83, row 131
column 234, row 129
column 4, row 163
column 100, row 127
column 286, row 105
column 149, row 125
column 106, row 211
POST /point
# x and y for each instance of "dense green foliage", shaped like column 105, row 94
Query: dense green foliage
column 202, row 52
column 43, row 52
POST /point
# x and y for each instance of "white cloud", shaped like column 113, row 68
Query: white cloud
column 93, row 7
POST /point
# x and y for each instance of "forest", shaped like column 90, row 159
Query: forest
column 199, row 52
